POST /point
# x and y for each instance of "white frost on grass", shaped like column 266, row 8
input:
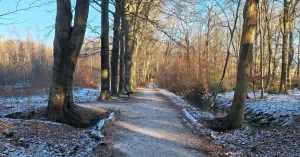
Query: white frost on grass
column 86, row 94
column 96, row 131
column 111, row 116
column 80, row 95
column 191, row 118
column 244, row 139
column 190, row 112
column 100, row 124
column 178, row 101
column 274, row 107
column 80, row 142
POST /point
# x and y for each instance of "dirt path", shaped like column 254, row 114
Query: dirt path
column 150, row 126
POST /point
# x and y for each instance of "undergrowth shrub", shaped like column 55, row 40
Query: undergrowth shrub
column 273, row 90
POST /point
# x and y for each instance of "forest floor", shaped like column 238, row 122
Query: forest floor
column 153, row 123
column 271, row 126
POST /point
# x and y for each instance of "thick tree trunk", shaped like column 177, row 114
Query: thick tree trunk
column 67, row 44
column 284, row 49
column 115, row 50
column 236, row 114
column 127, row 58
column 105, row 85
column 129, row 44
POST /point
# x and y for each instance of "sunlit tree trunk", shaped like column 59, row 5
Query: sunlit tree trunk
column 133, row 65
column 105, row 84
column 115, row 49
column 284, row 48
column 236, row 114
column 262, row 50
column 122, row 67
column 298, row 65
column 128, row 41
column 67, row 44
column 269, row 36
column 291, row 51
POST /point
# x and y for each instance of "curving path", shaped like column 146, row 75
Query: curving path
column 150, row 126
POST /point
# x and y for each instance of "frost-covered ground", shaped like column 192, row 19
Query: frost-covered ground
column 34, row 137
column 80, row 95
column 281, row 139
column 19, row 104
column 273, row 109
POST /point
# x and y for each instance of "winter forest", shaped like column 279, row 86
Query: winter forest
column 149, row 78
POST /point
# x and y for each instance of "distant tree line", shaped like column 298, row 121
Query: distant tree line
column 28, row 64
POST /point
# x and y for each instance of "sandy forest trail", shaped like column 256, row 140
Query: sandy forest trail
column 150, row 126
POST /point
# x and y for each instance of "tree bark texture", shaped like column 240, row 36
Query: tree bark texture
column 282, row 87
column 236, row 114
column 122, row 50
column 115, row 49
column 67, row 44
column 291, row 51
column 105, row 84
column 262, row 49
column 129, row 43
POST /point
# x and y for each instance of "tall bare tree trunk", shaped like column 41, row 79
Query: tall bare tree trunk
column 275, row 58
column 282, row 87
column 133, row 65
column 298, row 65
column 262, row 50
column 269, row 35
column 236, row 114
column 291, row 51
column 67, row 44
column 128, row 40
column 105, row 84
column 122, row 50
column 115, row 49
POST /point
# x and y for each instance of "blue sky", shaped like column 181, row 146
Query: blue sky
column 38, row 21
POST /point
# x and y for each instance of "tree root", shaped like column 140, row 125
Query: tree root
column 220, row 124
column 77, row 116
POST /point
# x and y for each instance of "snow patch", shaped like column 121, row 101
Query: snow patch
column 191, row 118
column 81, row 95
column 190, row 112
column 96, row 131
column 275, row 108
